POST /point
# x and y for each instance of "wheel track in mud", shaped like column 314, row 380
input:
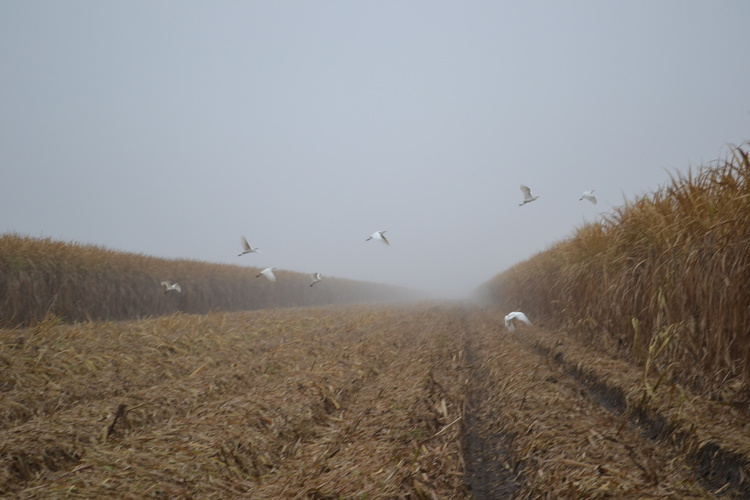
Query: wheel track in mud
column 485, row 454
column 575, row 422
column 716, row 467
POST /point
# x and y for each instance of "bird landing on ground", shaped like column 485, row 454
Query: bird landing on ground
column 589, row 195
column 246, row 248
column 380, row 236
column 315, row 277
column 169, row 287
column 527, row 197
column 515, row 315
column 268, row 273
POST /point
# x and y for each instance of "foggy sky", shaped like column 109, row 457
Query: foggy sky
column 172, row 128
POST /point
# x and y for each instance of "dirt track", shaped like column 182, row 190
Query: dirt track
column 567, row 432
column 427, row 401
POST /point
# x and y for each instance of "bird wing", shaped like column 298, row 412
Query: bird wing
column 516, row 315
column 165, row 283
column 526, row 192
column 384, row 238
column 177, row 287
column 268, row 272
column 521, row 316
column 245, row 244
column 589, row 195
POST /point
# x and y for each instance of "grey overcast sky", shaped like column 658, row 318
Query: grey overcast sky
column 172, row 128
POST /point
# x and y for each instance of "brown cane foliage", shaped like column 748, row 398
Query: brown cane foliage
column 662, row 278
column 42, row 278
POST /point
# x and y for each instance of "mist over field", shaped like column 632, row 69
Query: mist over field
column 172, row 129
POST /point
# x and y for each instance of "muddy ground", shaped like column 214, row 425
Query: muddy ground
column 435, row 400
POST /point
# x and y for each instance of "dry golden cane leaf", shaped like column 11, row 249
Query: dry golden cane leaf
column 722, row 489
column 443, row 409
column 596, row 434
column 605, row 487
column 575, row 463
column 199, row 369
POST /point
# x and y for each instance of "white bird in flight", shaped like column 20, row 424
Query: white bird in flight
column 168, row 287
column 515, row 315
column 246, row 248
column 315, row 277
column 527, row 198
column 268, row 273
column 379, row 235
column 589, row 195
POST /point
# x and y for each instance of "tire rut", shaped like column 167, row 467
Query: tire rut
column 485, row 453
column 716, row 467
column 563, row 438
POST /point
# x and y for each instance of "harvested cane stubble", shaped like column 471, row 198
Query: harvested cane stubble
column 433, row 400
